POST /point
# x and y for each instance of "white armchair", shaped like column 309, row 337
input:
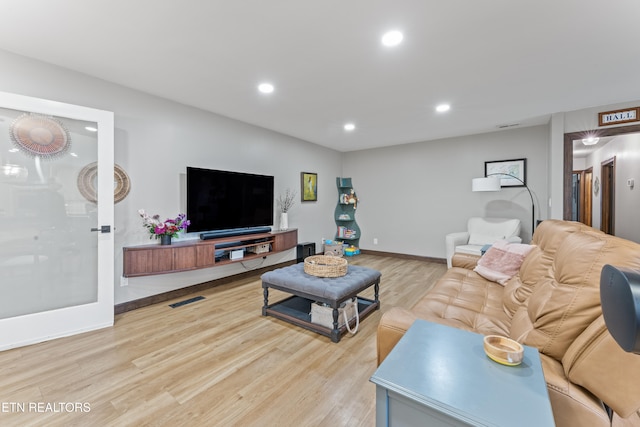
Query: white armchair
column 481, row 232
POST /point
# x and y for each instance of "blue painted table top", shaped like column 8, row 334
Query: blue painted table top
column 447, row 369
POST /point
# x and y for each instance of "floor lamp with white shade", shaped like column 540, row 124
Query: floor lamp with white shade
column 493, row 182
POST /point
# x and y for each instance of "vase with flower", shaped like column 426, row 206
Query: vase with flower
column 285, row 202
column 164, row 230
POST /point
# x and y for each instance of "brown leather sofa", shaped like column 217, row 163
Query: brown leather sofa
column 553, row 304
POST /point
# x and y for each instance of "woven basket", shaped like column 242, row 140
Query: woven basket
column 325, row 266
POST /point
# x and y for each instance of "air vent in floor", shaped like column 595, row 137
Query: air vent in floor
column 185, row 302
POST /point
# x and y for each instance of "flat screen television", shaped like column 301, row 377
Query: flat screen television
column 223, row 200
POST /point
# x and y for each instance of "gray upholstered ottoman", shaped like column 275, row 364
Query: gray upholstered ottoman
column 306, row 289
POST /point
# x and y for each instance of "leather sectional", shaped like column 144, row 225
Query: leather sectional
column 553, row 304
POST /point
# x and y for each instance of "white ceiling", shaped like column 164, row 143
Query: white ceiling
column 496, row 62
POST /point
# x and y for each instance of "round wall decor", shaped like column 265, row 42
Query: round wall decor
column 87, row 183
column 39, row 135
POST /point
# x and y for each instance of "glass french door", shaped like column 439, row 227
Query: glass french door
column 56, row 248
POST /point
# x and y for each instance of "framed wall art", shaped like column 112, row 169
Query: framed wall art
column 514, row 172
column 309, row 186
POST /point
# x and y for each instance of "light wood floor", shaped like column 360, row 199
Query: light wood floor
column 215, row 362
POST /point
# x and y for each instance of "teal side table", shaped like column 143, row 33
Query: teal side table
column 440, row 376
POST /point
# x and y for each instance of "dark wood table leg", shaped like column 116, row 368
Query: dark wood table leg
column 335, row 333
column 376, row 291
column 265, row 293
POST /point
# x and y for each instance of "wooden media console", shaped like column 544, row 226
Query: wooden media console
column 146, row 260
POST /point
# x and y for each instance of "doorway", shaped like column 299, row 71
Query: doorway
column 56, row 271
column 568, row 159
column 582, row 198
column 608, row 183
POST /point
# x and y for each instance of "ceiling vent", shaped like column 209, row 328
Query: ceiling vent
column 510, row 125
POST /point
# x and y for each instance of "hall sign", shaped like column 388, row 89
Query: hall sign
column 619, row 116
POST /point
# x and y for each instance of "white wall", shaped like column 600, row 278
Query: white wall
column 555, row 203
column 155, row 139
column 580, row 163
column 411, row 196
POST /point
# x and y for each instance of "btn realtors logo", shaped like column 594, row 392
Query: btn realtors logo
column 619, row 116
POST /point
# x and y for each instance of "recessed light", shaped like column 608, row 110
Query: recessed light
column 443, row 107
column 13, row 150
column 91, row 129
column 592, row 140
column 392, row 38
column 265, row 87
column 349, row 127
column 73, row 154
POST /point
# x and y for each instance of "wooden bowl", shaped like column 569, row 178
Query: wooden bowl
column 503, row 350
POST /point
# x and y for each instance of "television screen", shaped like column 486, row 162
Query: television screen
column 222, row 200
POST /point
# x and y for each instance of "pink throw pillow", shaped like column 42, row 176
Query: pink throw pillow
column 502, row 261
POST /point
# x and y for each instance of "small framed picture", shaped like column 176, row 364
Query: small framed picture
column 309, row 186
column 512, row 173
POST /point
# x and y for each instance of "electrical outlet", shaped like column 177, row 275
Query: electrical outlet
column 375, row 240
column 124, row 281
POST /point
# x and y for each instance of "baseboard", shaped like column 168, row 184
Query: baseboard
column 404, row 256
column 177, row 293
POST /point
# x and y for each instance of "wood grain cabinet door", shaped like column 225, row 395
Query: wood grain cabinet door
column 285, row 240
column 184, row 258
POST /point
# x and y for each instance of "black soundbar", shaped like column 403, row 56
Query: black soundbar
column 233, row 232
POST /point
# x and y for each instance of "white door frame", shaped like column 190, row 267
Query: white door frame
column 29, row 329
